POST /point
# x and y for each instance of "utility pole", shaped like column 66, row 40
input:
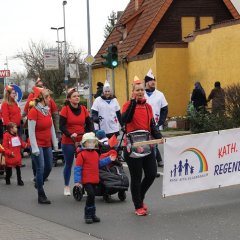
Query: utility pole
column 89, row 53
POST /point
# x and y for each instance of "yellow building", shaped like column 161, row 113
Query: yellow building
column 154, row 34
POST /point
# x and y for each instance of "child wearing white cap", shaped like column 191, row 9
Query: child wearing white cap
column 86, row 172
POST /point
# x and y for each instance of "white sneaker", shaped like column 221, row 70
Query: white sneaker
column 67, row 191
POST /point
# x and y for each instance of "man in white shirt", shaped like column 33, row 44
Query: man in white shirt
column 159, row 105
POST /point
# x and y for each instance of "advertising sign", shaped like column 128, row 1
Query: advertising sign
column 4, row 73
column 51, row 59
column 201, row 161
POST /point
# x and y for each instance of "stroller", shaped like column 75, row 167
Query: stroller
column 113, row 179
column 58, row 155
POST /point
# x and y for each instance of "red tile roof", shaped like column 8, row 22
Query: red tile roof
column 142, row 24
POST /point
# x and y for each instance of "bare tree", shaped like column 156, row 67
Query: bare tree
column 33, row 59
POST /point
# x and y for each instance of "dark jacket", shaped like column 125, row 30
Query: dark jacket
column 199, row 99
column 99, row 91
column 217, row 96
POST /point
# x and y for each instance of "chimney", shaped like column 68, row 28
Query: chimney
column 138, row 3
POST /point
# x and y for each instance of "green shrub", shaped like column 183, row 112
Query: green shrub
column 232, row 97
column 203, row 121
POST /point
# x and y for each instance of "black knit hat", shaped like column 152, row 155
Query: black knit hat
column 99, row 84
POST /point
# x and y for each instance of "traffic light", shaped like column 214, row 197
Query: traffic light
column 111, row 57
column 114, row 56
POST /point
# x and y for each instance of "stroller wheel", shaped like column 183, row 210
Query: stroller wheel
column 122, row 196
column 107, row 198
column 77, row 193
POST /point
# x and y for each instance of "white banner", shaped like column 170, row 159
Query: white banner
column 201, row 161
column 51, row 59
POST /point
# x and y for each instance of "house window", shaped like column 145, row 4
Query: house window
column 188, row 25
column 205, row 22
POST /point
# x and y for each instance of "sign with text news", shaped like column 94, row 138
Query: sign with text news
column 201, row 162
column 4, row 73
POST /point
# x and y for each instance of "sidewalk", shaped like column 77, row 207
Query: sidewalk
column 172, row 133
column 15, row 225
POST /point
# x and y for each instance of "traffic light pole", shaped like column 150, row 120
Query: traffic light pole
column 113, row 81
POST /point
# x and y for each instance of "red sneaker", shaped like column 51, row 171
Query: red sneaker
column 141, row 212
column 145, row 207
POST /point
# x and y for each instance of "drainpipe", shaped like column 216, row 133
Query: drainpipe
column 125, row 67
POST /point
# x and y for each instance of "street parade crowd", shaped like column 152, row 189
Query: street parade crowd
column 88, row 140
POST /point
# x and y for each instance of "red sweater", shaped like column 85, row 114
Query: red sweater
column 75, row 124
column 11, row 113
column 13, row 144
column 43, row 127
column 141, row 117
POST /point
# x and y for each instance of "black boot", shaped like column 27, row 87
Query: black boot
column 94, row 217
column 8, row 182
column 42, row 199
column 20, row 182
column 19, row 178
column 88, row 215
column 8, row 171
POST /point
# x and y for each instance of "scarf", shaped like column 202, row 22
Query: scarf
column 43, row 109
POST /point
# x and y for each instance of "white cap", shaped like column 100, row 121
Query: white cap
column 106, row 86
column 150, row 74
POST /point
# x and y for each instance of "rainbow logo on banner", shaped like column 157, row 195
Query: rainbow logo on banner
column 202, row 160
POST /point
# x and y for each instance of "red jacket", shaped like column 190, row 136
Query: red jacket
column 12, row 145
column 87, row 167
column 11, row 113
column 141, row 118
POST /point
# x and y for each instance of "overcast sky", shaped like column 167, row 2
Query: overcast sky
column 26, row 20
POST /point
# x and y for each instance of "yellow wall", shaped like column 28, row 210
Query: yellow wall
column 171, row 74
column 210, row 57
column 215, row 56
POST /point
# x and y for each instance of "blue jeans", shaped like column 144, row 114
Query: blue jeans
column 68, row 153
column 43, row 164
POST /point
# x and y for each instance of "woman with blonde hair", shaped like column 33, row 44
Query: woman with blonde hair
column 42, row 137
column 137, row 115
column 11, row 112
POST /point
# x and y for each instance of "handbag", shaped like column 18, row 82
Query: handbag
column 140, row 151
column 2, row 160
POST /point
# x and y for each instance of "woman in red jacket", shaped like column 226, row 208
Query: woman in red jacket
column 137, row 115
column 12, row 144
column 10, row 110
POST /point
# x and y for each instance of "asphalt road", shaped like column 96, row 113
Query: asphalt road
column 207, row 215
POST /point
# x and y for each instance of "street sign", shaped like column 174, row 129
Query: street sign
column 51, row 59
column 18, row 91
column 4, row 73
column 89, row 59
column 73, row 70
